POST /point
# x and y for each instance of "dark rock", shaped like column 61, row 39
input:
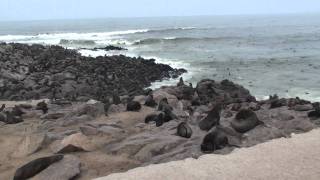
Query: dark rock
column 34, row 167
column 62, row 74
column 245, row 120
column 226, row 91
column 184, row 130
column 133, row 106
column 111, row 48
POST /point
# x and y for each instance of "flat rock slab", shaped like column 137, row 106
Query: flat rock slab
column 294, row 158
column 65, row 169
column 29, row 145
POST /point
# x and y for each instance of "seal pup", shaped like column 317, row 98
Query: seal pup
column 36, row 166
column 11, row 118
column 184, row 130
column 17, row 111
column 167, row 110
column 133, row 106
column 245, row 120
column 2, row 107
column 150, row 102
column 215, row 140
column 181, row 82
column 116, row 98
column 42, row 106
column 157, row 118
column 212, row 119
column 316, row 113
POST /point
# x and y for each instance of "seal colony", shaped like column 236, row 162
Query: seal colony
column 82, row 138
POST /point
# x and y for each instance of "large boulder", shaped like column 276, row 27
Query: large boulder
column 30, row 144
column 224, row 91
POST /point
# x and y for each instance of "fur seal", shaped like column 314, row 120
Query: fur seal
column 42, row 106
column 158, row 118
column 212, row 119
column 150, row 101
column 133, row 106
column 2, row 107
column 184, row 130
column 11, row 119
column 36, row 166
column 163, row 104
column 17, row 111
column 215, row 140
column 116, row 98
column 245, row 120
column 316, row 113
column 181, row 82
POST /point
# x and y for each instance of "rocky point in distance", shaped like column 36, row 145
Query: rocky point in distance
column 63, row 138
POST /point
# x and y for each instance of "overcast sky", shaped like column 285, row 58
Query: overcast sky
column 75, row 9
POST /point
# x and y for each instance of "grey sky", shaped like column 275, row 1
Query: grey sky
column 73, row 9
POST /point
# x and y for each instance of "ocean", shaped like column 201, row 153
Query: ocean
column 268, row 54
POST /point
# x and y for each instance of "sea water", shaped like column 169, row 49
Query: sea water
column 268, row 54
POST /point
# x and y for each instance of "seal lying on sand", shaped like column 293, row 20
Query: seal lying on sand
column 34, row 167
column 245, row 120
column 212, row 119
column 215, row 140
column 184, row 130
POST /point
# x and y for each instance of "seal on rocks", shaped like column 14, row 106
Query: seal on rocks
column 2, row 107
column 34, row 167
column 245, row 120
column 212, row 119
column 116, row 98
column 184, row 130
column 181, row 82
column 215, row 140
column 150, row 101
column 158, row 118
column 316, row 113
column 10, row 118
column 42, row 106
column 133, row 106
column 17, row 111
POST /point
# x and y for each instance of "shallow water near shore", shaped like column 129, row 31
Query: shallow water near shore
column 266, row 54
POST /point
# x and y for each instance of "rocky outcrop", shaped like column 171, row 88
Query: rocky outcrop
column 36, row 71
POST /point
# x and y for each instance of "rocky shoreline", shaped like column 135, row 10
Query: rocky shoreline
column 36, row 71
column 93, row 136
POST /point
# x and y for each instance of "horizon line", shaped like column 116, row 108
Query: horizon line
column 164, row 16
